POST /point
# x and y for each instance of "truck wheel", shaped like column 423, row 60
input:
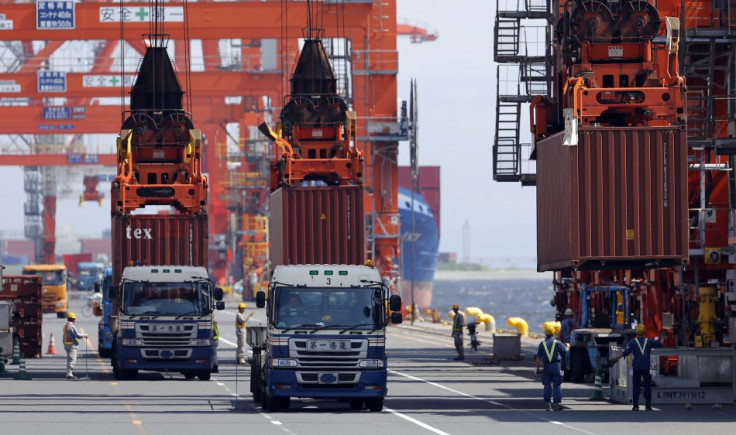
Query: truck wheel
column 256, row 390
column 577, row 366
column 356, row 404
column 375, row 405
column 204, row 375
column 189, row 375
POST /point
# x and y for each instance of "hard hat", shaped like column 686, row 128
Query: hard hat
column 549, row 329
column 568, row 312
column 71, row 316
column 455, row 306
column 241, row 305
column 640, row 329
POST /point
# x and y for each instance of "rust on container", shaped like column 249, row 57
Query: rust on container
column 616, row 200
column 176, row 240
column 317, row 225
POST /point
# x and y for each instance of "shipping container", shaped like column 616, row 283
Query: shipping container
column 71, row 261
column 618, row 199
column 176, row 240
column 317, row 225
column 25, row 293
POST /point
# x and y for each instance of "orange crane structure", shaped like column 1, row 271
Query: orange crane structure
column 240, row 52
column 631, row 109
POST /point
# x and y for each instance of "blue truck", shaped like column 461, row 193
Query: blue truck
column 325, row 336
column 89, row 274
column 104, row 331
column 164, row 321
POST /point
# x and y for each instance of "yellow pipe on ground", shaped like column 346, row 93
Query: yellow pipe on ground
column 520, row 325
column 489, row 321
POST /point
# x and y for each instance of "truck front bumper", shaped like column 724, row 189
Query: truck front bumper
column 327, row 383
column 161, row 359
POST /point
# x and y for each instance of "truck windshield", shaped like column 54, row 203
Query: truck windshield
column 326, row 308
column 166, row 299
column 50, row 277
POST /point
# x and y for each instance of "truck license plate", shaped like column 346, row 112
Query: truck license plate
column 328, row 345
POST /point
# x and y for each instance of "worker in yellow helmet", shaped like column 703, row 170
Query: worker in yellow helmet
column 641, row 347
column 240, row 320
column 71, row 334
column 551, row 352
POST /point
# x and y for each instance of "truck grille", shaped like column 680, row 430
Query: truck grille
column 165, row 334
column 328, row 360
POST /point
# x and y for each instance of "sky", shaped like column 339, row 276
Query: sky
column 456, row 87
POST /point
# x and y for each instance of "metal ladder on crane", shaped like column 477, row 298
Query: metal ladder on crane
column 533, row 71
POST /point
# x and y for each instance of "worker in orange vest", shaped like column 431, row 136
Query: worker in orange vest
column 71, row 334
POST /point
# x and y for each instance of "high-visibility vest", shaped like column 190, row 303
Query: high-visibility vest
column 457, row 325
column 66, row 335
column 238, row 324
column 549, row 351
column 216, row 334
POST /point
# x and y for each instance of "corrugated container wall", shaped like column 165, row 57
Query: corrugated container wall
column 616, row 200
column 317, row 225
column 25, row 293
column 176, row 240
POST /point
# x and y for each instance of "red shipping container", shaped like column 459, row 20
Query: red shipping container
column 71, row 261
column 97, row 247
column 176, row 240
column 616, row 200
column 22, row 287
column 317, row 225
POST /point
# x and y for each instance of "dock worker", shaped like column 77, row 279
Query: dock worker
column 216, row 343
column 71, row 336
column 458, row 322
column 551, row 352
column 240, row 320
column 640, row 347
column 567, row 325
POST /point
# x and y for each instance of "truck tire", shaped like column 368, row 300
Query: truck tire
column 189, row 375
column 375, row 405
column 204, row 375
column 256, row 390
column 577, row 366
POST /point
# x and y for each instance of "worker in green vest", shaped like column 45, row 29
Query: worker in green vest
column 550, row 352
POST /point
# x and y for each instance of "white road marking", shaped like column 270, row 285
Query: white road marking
column 493, row 402
column 415, row 421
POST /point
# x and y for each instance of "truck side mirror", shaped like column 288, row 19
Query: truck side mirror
column 113, row 293
column 220, row 305
column 261, row 299
column 394, row 303
column 396, row 318
column 218, row 294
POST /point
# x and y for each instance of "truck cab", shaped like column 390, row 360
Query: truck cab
column 325, row 336
column 164, row 321
column 54, row 276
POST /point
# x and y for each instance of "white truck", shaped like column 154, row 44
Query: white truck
column 325, row 336
column 164, row 321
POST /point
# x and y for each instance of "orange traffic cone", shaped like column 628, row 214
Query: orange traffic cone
column 52, row 346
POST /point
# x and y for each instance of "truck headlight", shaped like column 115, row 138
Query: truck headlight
column 371, row 363
column 283, row 362
column 200, row 342
column 132, row 342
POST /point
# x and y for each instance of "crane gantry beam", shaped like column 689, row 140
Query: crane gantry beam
column 248, row 20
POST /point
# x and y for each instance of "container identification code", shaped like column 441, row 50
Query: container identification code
column 616, row 51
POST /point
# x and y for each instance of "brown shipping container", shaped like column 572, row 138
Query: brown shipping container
column 616, row 200
column 177, row 240
column 25, row 293
column 317, row 225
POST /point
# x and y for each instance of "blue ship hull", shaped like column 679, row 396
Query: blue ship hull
column 421, row 266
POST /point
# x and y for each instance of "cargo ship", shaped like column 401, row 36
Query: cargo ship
column 426, row 237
